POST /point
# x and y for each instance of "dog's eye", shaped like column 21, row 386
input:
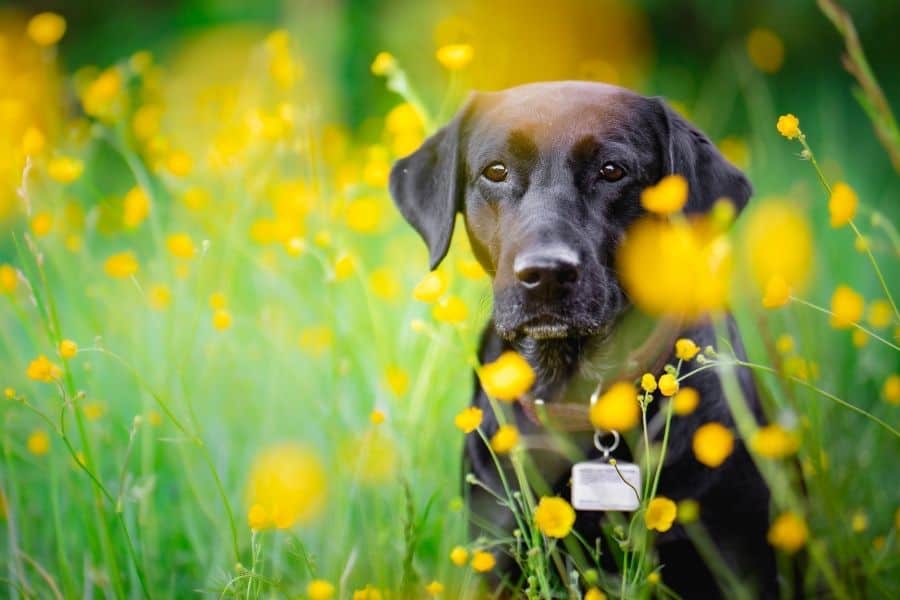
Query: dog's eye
column 496, row 172
column 611, row 172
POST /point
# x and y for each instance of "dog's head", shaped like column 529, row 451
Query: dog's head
column 548, row 177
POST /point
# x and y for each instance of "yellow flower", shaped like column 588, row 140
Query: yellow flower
column 685, row 401
column 146, row 120
column 344, row 265
column 686, row 349
column 507, row 378
column 9, row 280
column 455, row 56
column 100, row 95
column 65, row 169
column 154, row 418
column 319, row 589
column 789, row 126
column 859, row 338
column 847, row 307
column 483, row 561
column 46, row 28
column 777, row 241
column 470, row 269
column 778, row 293
column 179, row 163
column 397, row 380
column 648, row 382
column 376, row 417
column 859, row 521
column 469, row 419
column 666, row 197
column 712, row 444
column 773, row 441
column 765, row 49
column 374, row 456
column 10, row 393
column 594, row 594
column 459, row 556
column 135, row 207
column 450, row 309
column 363, row 214
column 788, row 532
column 42, row 223
column 384, row 283
column 842, row 204
column 257, row 517
column 688, row 510
column 196, row 198
column 435, row 589
column 93, row 410
column 316, row 339
column 121, row 265
column 668, row 385
column 660, row 514
column 880, row 313
column 431, row 287
column 180, row 245
column 221, row 319
column 383, row 64
column 41, row 369
column 289, row 483
column 554, row 517
column 505, row 439
column 217, row 300
column 33, row 141
column 68, row 349
column 38, row 442
column 367, row 593
column 653, row 578
column 891, row 389
column 784, row 344
column 617, row 409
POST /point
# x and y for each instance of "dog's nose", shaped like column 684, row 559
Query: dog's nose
column 547, row 269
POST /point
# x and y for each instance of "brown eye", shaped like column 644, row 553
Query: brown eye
column 611, row 172
column 496, row 172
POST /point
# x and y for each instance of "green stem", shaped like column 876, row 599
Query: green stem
column 854, row 324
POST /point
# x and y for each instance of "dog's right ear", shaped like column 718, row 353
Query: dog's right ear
column 429, row 184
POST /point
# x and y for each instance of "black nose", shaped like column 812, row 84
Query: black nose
column 547, row 270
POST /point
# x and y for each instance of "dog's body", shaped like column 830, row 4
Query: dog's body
column 548, row 178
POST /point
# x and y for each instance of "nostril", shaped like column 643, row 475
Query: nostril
column 567, row 274
column 529, row 277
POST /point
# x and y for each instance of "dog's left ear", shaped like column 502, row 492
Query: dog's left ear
column 428, row 186
column 690, row 153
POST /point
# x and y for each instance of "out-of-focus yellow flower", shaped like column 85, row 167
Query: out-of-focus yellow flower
column 377, row 168
column 554, row 516
column 383, row 64
column 891, row 389
column 33, row 141
column 483, row 561
column 159, row 296
column 145, row 121
column 46, row 28
column 41, row 223
column 861, row 243
column 364, row 215
column 789, row 126
column 777, row 242
column 506, row 378
column 9, row 280
column 505, row 439
column 374, row 456
column 257, row 517
column 859, row 521
column 65, row 169
column 41, row 369
column 154, row 418
column 459, row 556
column 470, row 269
column 784, row 344
column 859, row 338
column 397, row 380
column 9, row 392
column 847, row 307
column 367, row 593
column 765, row 49
column 648, row 383
column 712, row 444
column 594, row 594
column 450, row 309
column 221, row 319
column 880, row 313
column 100, row 95
column 93, row 410
column 385, row 284
column 668, row 196
column 344, row 265
column 68, row 349
column 434, row 589
column 468, row 419
column 797, row 366
column 774, row 441
column 617, row 409
column 842, row 204
column 179, row 163
column 735, row 150
column 319, row 589
column 668, row 385
column 135, row 207
column 777, row 293
column 660, row 514
column 316, row 340
column 217, row 300
column 38, row 442
column 788, row 532
column 289, row 482
column 196, row 198
column 685, row 401
column 431, row 287
column 121, row 265
column 377, row 417
column 455, row 56
column 688, row 511
column 686, row 349
column 180, row 245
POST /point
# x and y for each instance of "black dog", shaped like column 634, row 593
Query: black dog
column 548, row 178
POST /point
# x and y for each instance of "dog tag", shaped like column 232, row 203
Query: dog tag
column 598, row 485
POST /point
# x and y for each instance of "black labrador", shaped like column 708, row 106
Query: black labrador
column 548, row 178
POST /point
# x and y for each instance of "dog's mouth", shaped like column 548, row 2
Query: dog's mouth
column 545, row 327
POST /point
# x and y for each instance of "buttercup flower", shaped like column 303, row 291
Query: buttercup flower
column 668, row 385
column 179, row 163
column 221, row 319
column 712, row 444
column 33, row 141
column 384, row 63
column 880, row 313
column 431, row 287
column 377, row 417
column 65, row 169
column 891, row 389
column 685, row 401
column 367, row 593
column 459, row 556
column 554, row 517
column 784, row 344
column 288, row 482
column 257, row 517
column 455, row 56
column 660, row 514
column 777, row 241
column 41, row 369
column 842, row 204
column 9, row 280
column 180, row 245
column 788, row 532
column 616, row 409
column 396, row 380
column 777, row 293
column 686, row 349
column 594, row 594
column 505, row 439
column 38, row 442
column 121, row 265
column 648, row 383
column 789, row 126
column 450, row 309
column 68, row 349
column 666, row 197
column 46, row 28
column 688, row 511
column 435, row 588
column 507, row 378
column 847, row 307
column 42, row 223
column 773, row 441
column 483, row 561
column 469, row 419
column 765, row 49
column 319, row 589
column 859, row 521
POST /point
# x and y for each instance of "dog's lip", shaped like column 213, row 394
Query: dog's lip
column 545, row 327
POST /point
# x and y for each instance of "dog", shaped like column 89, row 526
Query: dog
column 548, row 178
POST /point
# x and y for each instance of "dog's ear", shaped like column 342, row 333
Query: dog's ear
column 429, row 184
column 689, row 153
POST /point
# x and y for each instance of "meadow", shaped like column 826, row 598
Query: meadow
column 227, row 372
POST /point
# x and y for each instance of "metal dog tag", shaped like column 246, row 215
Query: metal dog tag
column 598, row 485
